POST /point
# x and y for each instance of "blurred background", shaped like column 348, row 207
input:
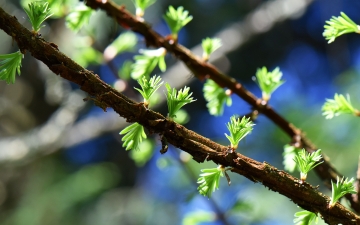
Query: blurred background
column 62, row 160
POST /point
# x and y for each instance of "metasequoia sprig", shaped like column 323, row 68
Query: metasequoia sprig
column 177, row 99
column 338, row 26
column 238, row 129
column 341, row 188
column 209, row 180
column 177, row 19
column 305, row 218
column 148, row 87
column 38, row 12
column 10, row 65
column 209, row 45
column 307, row 161
column 141, row 6
column 268, row 81
column 133, row 136
column 337, row 106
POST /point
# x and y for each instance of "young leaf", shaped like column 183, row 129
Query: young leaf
column 78, row 17
column 177, row 19
column 177, row 99
column 289, row 154
column 209, row 180
column 338, row 26
column 305, row 218
column 148, row 87
column 216, row 98
column 341, row 188
column 268, row 81
column 146, row 63
column 338, row 105
column 10, row 65
column 238, row 130
column 134, row 135
column 125, row 42
column 307, row 162
column 142, row 5
column 38, row 12
column 209, row 45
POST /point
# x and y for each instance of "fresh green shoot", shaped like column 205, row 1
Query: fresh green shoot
column 10, row 65
column 341, row 188
column 209, row 180
column 216, row 98
column 307, row 161
column 125, row 42
column 134, row 135
column 146, row 63
column 209, row 45
column 338, row 105
column 338, row 26
column 238, row 130
column 78, row 17
column 177, row 99
column 268, row 81
column 38, row 12
column 289, row 154
column 305, row 218
column 148, row 87
column 177, row 19
column 59, row 8
column 142, row 5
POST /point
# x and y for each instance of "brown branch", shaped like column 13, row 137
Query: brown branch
column 203, row 70
column 199, row 147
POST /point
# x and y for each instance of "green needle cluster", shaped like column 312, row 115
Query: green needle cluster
column 307, row 161
column 10, row 65
column 238, row 129
column 177, row 19
column 38, row 12
column 341, row 188
column 338, row 26
column 337, row 106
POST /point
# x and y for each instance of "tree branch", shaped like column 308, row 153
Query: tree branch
column 203, row 70
column 199, row 147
